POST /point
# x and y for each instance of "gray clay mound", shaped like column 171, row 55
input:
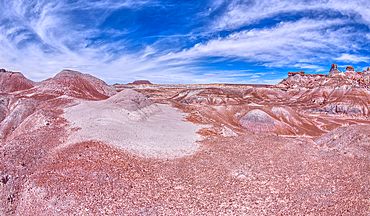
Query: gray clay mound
column 349, row 140
column 131, row 122
column 134, row 105
column 130, row 100
column 257, row 121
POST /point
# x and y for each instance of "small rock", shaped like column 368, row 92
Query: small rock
column 227, row 132
column 4, row 179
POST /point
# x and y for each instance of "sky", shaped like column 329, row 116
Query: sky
column 187, row 41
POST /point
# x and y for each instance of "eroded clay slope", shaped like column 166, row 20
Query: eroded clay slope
column 72, row 145
column 13, row 81
column 302, row 104
column 39, row 122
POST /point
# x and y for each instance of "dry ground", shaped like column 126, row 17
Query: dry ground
column 73, row 158
column 161, row 135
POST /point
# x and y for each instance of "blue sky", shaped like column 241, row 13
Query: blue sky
column 168, row 41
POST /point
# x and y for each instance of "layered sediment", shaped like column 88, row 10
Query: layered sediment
column 73, row 145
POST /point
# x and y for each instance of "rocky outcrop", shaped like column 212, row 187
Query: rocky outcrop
column 350, row 68
column 366, row 73
column 334, row 70
column 295, row 73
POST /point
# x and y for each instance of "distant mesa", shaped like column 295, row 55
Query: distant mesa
column 2, row 70
column 141, row 82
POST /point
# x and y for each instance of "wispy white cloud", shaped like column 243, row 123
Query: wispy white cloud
column 281, row 45
column 352, row 58
column 317, row 68
column 244, row 12
column 40, row 38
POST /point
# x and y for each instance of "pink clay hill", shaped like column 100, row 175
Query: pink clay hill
column 73, row 145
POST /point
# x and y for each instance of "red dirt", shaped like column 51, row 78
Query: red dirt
column 312, row 162
column 13, row 81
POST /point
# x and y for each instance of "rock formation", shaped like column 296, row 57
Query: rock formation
column 300, row 135
column 350, row 68
column 295, row 73
column 141, row 82
column 305, row 94
column 334, row 70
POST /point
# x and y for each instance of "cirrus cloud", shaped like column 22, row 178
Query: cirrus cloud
column 182, row 42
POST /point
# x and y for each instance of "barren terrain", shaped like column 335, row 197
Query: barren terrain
column 161, row 135
column 73, row 145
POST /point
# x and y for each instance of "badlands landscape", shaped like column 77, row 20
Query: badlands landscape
column 73, row 145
